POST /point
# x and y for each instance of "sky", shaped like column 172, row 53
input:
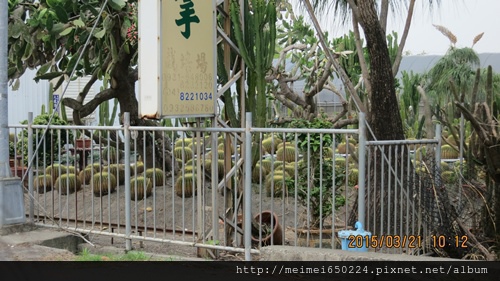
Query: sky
column 464, row 18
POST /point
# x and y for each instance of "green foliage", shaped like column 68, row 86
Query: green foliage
column 312, row 143
column 316, row 191
column 51, row 143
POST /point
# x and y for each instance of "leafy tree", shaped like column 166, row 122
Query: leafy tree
column 50, row 36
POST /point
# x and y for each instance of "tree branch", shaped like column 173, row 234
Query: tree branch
column 399, row 55
column 321, row 81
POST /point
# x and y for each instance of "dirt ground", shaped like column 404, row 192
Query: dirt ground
column 163, row 216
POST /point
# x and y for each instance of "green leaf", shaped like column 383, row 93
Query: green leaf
column 48, row 76
column 78, row 23
column 66, row 31
column 100, row 34
column 52, row 3
column 44, row 68
column 61, row 14
column 117, row 4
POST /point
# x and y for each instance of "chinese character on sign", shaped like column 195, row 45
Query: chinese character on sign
column 202, row 62
column 188, row 17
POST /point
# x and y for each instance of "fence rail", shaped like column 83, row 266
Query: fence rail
column 191, row 186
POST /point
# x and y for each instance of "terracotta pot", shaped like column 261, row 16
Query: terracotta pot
column 276, row 233
column 83, row 143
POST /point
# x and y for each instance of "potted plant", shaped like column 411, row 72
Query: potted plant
column 317, row 186
column 266, row 229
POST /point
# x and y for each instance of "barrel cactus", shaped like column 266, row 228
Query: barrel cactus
column 103, row 183
column 343, row 148
column 138, row 167
column 86, row 174
column 67, row 184
column 183, row 153
column 118, row 170
column 43, row 183
column 278, row 184
column 448, row 152
column 156, row 175
column 96, row 166
column 448, row 177
column 185, row 186
column 352, row 178
column 257, row 171
column 111, row 155
column 140, row 188
column 55, row 170
column 287, row 154
column 183, row 142
column 270, row 145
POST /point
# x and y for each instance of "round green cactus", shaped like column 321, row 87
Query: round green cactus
column 156, row 175
column 55, row 170
column 183, row 142
column 67, row 184
column 185, row 153
column 43, row 183
column 342, row 148
column 103, row 183
column 86, row 174
column 96, row 166
column 286, row 153
column 277, row 185
column 137, row 167
column 270, row 145
column 257, row 171
column 448, row 152
column 352, row 178
column 185, row 186
column 118, row 170
column 140, row 188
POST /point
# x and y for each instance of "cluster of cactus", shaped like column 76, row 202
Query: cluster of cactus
column 185, row 186
column 270, row 144
column 55, row 170
column 43, row 183
column 352, row 178
column 67, row 184
column 103, row 183
column 183, row 142
column 156, row 176
column 140, row 188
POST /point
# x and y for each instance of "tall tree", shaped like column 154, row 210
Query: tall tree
column 54, row 37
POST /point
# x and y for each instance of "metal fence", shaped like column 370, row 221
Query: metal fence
column 190, row 186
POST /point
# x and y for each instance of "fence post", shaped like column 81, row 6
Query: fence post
column 30, row 167
column 128, row 227
column 362, row 168
column 437, row 172
column 248, row 187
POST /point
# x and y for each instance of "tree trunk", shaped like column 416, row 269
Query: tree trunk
column 385, row 119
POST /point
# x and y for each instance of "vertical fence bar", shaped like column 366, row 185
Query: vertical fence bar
column 437, row 169
column 128, row 227
column 30, row 174
column 248, row 187
column 361, row 168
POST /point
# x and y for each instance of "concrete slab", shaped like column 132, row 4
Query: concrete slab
column 287, row 253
